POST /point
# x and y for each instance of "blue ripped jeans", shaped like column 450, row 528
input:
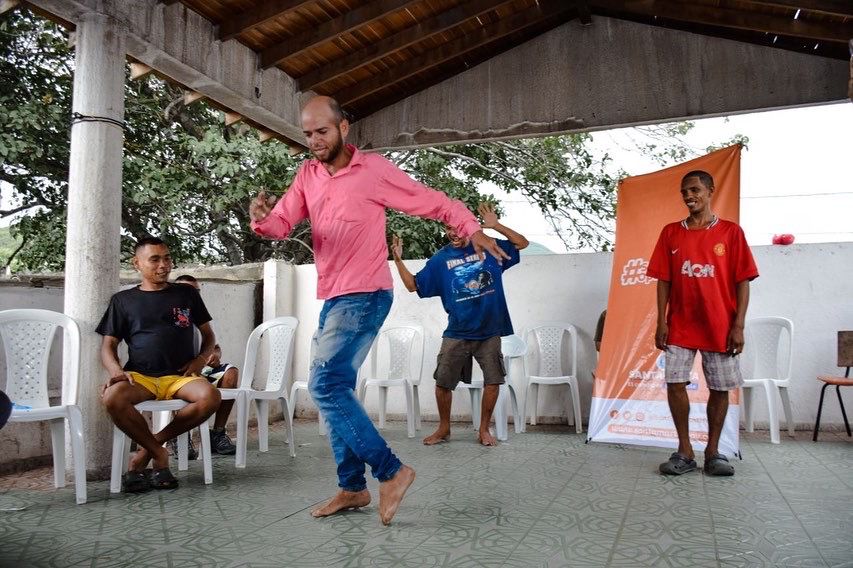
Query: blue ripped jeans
column 348, row 325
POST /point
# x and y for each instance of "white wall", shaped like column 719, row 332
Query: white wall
column 806, row 283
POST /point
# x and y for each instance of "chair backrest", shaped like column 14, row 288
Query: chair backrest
column 27, row 337
column 767, row 352
column 513, row 346
column 403, row 348
column 279, row 333
column 546, row 349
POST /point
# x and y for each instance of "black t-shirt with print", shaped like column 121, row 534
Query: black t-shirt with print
column 157, row 327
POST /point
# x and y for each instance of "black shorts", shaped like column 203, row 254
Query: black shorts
column 455, row 358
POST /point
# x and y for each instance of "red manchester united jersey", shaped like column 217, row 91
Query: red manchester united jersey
column 703, row 267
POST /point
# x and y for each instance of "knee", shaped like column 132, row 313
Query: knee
column 210, row 402
column 115, row 399
column 230, row 378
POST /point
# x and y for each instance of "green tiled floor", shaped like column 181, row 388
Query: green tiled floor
column 543, row 498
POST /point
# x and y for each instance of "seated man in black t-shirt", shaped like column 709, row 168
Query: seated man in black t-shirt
column 156, row 321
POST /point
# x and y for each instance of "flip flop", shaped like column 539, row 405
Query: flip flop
column 162, row 479
column 718, row 465
column 677, row 465
column 134, row 482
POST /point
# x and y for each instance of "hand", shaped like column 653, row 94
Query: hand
column 661, row 335
column 261, row 206
column 397, row 247
column 213, row 360
column 483, row 243
column 734, row 342
column 192, row 368
column 118, row 378
column 487, row 212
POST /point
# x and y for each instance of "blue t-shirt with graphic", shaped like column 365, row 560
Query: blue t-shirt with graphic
column 471, row 290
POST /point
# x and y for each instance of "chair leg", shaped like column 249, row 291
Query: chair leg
column 476, row 402
column 206, row 450
column 417, row 402
column 57, row 439
column 119, row 462
column 410, row 411
column 772, row 410
column 242, row 429
column 843, row 412
column 263, row 410
column 534, row 392
column 576, row 406
column 517, row 418
column 819, row 409
column 383, row 404
column 183, row 450
column 78, row 452
column 288, row 419
column 748, row 422
column 500, row 414
column 786, row 405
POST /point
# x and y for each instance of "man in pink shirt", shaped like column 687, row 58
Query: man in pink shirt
column 344, row 193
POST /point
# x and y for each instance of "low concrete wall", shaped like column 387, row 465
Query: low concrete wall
column 233, row 303
column 806, row 283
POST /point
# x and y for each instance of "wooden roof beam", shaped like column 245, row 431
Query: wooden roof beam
column 254, row 17
column 436, row 24
column 469, row 42
column 192, row 96
column 828, row 7
column 232, row 118
column 729, row 18
column 138, row 70
column 345, row 23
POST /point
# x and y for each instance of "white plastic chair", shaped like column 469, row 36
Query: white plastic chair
column 404, row 345
column 303, row 385
column 767, row 359
column 512, row 347
column 280, row 333
column 27, row 338
column 121, row 443
column 546, row 352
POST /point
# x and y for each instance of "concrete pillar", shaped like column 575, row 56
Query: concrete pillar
column 94, row 210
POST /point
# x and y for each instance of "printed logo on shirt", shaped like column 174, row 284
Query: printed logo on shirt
column 697, row 270
column 181, row 317
column 719, row 249
column 634, row 272
column 471, row 279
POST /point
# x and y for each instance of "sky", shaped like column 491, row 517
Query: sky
column 796, row 174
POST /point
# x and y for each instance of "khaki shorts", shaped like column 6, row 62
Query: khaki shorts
column 454, row 362
column 722, row 371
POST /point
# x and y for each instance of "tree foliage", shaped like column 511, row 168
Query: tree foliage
column 189, row 178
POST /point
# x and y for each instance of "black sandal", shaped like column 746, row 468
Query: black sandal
column 163, row 479
column 135, row 482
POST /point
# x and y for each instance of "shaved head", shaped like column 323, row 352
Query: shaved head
column 325, row 128
column 322, row 104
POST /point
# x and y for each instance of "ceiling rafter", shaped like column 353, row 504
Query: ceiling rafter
column 327, row 31
column 259, row 15
column 469, row 42
column 409, row 36
column 730, row 18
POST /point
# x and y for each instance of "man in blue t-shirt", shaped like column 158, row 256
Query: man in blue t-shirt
column 471, row 290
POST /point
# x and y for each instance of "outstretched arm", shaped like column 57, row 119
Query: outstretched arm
column 491, row 221
column 407, row 277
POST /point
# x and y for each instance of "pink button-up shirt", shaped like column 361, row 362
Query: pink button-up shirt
column 347, row 213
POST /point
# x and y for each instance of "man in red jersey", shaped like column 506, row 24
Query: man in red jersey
column 703, row 266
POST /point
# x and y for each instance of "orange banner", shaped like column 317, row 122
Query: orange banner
column 630, row 367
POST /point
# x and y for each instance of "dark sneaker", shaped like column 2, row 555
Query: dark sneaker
column 677, row 465
column 221, row 444
column 192, row 453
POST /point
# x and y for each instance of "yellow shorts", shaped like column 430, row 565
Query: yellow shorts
column 163, row 388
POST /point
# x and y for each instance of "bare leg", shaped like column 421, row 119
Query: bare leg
column 443, row 399
column 490, row 396
column 228, row 381
column 203, row 399
column 342, row 501
column 119, row 401
column 718, row 406
column 679, row 406
column 391, row 493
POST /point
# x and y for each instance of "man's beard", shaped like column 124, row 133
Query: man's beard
column 334, row 151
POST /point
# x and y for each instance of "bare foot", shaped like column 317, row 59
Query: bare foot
column 437, row 437
column 485, row 438
column 161, row 458
column 139, row 460
column 342, row 501
column 391, row 493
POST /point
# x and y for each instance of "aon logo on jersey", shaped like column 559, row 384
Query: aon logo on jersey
column 697, row 270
